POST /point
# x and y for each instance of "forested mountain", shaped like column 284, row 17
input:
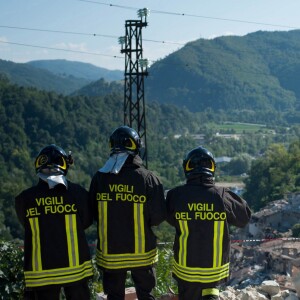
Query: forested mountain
column 26, row 75
column 65, row 68
column 254, row 77
column 256, row 72
column 100, row 88
column 59, row 76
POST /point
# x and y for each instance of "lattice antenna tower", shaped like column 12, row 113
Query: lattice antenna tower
column 136, row 69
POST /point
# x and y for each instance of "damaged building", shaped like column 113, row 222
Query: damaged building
column 277, row 217
column 267, row 250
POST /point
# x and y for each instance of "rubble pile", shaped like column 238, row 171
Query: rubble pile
column 268, row 289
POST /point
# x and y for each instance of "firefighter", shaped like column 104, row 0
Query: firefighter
column 128, row 200
column 201, row 213
column 55, row 213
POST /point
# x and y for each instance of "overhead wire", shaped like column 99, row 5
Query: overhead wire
column 83, row 33
column 73, row 33
column 58, row 31
column 190, row 15
column 60, row 49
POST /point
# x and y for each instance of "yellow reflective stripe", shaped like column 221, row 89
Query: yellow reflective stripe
column 127, row 260
column 183, row 242
column 204, row 275
column 218, row 243
column 102, row 225
column 59, row 271
column 127, row 256
column 139, row 229
column 195, row 270
column 210, row 291
column 36, row 244
column 72, row 239
column 58, row 276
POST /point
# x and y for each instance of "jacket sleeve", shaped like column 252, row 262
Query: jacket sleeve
column 237, row 209
column 86, row 208
column 19, row 207
column 156, row 203
column 170, row 210
column 92, row 197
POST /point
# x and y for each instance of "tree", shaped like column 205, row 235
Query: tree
column 273, row 175
column 296, row 230
column 239, row 164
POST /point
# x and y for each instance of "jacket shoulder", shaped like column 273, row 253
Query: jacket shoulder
column 76, row 187
column 27, row 191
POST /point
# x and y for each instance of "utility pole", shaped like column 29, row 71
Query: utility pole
column 136, row 68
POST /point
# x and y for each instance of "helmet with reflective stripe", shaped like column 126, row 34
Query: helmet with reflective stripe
column 125, row 139
column 53, row 159
column 199, row 161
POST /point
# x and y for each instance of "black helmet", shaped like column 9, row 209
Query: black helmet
column 125, row 139
column 53, row 159
column 199, row 161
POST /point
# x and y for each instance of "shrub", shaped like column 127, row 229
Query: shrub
column 11, row 271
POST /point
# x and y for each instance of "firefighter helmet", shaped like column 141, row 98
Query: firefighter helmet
column 199, row 161
column 125, row 139
column 53, row 159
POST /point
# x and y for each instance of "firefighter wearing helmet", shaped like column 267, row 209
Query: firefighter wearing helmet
column 54, row 214
column 201, row 213
column 128, row 200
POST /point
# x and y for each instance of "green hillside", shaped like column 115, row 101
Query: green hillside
column 64, row 68
column 100, row 88
column 251, row 78
column 29, row 76
column 58, row 76
column 257, row 72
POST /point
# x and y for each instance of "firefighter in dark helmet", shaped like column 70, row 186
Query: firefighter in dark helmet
column 55, row 213
column 201, row 213
column 128, row 200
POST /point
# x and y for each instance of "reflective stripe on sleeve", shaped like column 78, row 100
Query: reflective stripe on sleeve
column 36, row 244
column 72, row 239
column 102, row 225
column 218, row 243
column 183, row 242
column 139, row 230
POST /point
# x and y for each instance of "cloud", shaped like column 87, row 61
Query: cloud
column 4, row 46
column 72, row 46
column 3, row 39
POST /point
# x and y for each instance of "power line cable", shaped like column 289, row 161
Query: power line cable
column 83, row 33
column 59, row 31
column 191, row 15
column 60, row 49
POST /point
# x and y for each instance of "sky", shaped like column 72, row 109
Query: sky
column 88, row 30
